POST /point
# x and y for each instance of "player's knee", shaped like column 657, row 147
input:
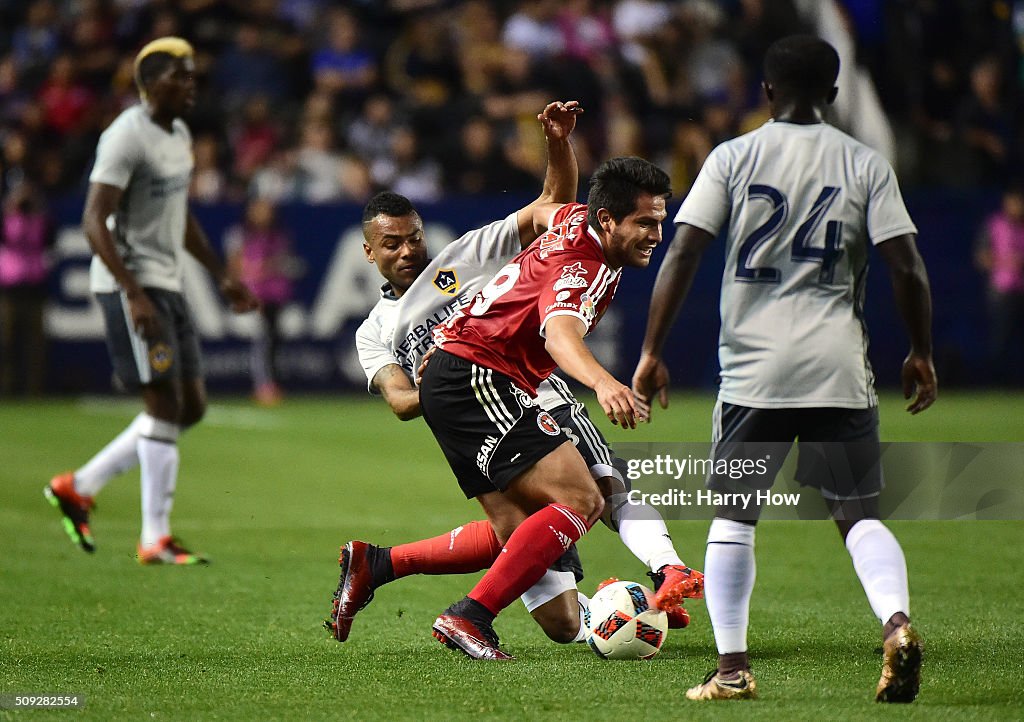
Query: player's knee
column 561, row 630
column 192, row 414
column 560, row 621
column 589, row 503
column 609, row 485
column 165, row 408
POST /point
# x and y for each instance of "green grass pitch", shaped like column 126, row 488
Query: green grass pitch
column 270, row 494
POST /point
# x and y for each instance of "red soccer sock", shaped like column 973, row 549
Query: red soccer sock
column 468, row 548
column 533, row 547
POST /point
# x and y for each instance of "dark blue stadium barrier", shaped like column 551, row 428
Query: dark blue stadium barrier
column 339, row 287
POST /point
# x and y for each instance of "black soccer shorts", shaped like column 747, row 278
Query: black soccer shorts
column 572, row 416
column 839, row 449
column 489, row 429
column 138, row 362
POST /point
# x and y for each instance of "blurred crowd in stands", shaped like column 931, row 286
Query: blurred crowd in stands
column 325, row 101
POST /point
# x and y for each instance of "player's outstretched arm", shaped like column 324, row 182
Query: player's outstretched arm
column 236, row 293
column 670, row 290
column 100, row 203
column 914, row 300
column 398, row 391
column 562, row 175
column 564, row 341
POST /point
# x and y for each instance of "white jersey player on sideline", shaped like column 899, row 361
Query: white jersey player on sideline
column 420, row 294
column 801, row 204
column 139, row 226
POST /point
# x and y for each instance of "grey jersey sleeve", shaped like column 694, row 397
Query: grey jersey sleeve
column 887, row 215
column 374, row 354
column 496, row 240
column 708, row 203
column 117, row 155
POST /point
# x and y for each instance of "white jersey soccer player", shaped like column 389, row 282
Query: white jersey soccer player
column 154, row 168
column 801, row 204
column 139, row 226
column 398, row 330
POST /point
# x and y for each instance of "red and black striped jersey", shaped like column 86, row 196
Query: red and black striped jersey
column 563, row 273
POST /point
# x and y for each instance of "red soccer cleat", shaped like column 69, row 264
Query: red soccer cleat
column 74, row 509
column 678, row 617
column 674, row 582
column 168, row 550
column 475, row 640
column 355, row 588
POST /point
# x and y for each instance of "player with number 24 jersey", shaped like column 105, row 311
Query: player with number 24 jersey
column 793, row 333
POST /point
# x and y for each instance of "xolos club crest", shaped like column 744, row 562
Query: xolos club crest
column 547, row 424
column 446, row 281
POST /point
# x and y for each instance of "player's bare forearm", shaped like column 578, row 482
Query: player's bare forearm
column 673, row 284
column 564, row 342
column 911, row 289
column 400, row 393
column 100, row 203
column 561, row 177
column 914, row 300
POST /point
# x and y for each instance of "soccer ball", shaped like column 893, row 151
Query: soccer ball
column 624, row 623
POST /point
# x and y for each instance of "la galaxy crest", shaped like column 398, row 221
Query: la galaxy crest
column 161, row 356
column 446, row 281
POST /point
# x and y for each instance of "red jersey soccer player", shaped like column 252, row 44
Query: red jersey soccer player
column 477, row 391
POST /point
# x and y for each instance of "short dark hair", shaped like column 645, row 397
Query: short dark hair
column 618, row 182
column 388, row 203
column 802, row 64
column 153, row 66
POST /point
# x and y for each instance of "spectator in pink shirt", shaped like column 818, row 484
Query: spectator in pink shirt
column 25, row 238
column 260, row 252
column 1000, row 253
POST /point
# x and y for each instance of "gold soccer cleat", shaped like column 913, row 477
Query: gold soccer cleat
column 715, row 686
column 901, row 666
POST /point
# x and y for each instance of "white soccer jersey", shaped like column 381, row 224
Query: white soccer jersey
column 154, row 168
column 800, row 203
column 398, row 330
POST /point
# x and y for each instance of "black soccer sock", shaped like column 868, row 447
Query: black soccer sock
column 733, row 662
column 380, row 565
column 895, row 622
column 472, row 610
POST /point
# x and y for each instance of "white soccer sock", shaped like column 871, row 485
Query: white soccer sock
column 584, row 602
column 729, row 572
column 881, row 568
column 644, row 533
column 158, row 458
column 115, row 458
